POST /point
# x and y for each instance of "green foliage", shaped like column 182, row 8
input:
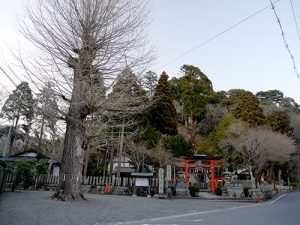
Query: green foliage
column 19, row 104
column 41, row 166
column 230, row 98
column 96, row 166
column 127, row 100
column 150, row 136
column 277, row 97
column 269, row 97
column 211, row 145
column 149, row 82
column 216, row 136
column 178, row 145
column 218, row 191
column 175, row 88
column 23, row 173
column 194, row 189
column 163, row 113
column 196, row 91
column 213, row 116
column 280, row 121
column 206, row 148
column 248, row 110
column 290, row 103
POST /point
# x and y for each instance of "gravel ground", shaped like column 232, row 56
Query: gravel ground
column 36, row 208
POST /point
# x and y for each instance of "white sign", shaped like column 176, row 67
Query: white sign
column 141, row 182
column 169, row 172
column 161, row 181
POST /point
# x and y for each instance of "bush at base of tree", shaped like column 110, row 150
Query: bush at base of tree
column 23, row 174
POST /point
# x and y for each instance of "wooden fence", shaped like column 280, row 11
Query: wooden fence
column 50, row 182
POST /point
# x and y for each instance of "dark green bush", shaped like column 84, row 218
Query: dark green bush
column 41, row 167
column 194, row 189
column 23, row 174
column 218, row 191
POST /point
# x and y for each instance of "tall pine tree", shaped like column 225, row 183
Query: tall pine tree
column 196, row 92
column 163, row 114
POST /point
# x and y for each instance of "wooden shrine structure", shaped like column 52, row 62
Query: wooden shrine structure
column 201, row 162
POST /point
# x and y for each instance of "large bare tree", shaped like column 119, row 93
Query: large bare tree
column 254, row 147
column 84, row 44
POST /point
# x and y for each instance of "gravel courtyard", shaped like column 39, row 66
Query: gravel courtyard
column 36, row 208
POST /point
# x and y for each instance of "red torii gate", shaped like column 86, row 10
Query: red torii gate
column 210, row 163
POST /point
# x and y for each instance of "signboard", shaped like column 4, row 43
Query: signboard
column 169, row 172
column 199, row 163
column 161, row 181
column 141, row 182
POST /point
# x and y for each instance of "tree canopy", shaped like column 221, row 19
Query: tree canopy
column 248, row 110
column 163, row 113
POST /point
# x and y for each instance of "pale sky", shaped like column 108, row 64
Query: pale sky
column 251, row 56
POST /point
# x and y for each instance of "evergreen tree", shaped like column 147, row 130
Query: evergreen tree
column 19, row 105
column 177, row 145
column 280, row 121
column 196, row 92
column 228, row 99
column 129, row 98
column 132, row 96
column 248, row 110
column 163, row 114
column 269, row 97
column 176, row 88
column 290, row 103
column 149, row 82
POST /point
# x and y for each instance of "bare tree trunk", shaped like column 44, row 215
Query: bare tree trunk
column 73, row 154
column 72, row 161
column 87, row 156
column 12, row 137
column 7, row 141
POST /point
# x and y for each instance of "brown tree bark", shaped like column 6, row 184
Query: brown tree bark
column 73, row 155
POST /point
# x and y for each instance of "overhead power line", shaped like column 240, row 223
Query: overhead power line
column 218, row 35
column 295, row 18
column 285, row 41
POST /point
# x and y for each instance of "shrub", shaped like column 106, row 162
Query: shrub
column 23, row 173
column 194, row 189
column 218, row 191
column 41, row 167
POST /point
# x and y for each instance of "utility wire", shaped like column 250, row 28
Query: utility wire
column 295, row 18
column 217, row 35
column 285, row 41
